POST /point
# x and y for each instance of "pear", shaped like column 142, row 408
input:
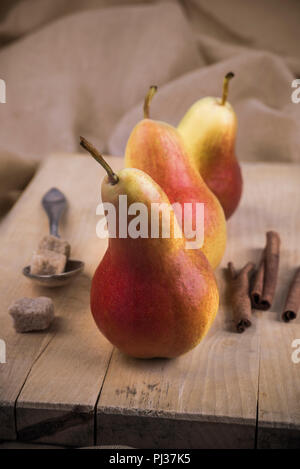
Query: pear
column 209, row 132
column 158, row 149
column 150, row 296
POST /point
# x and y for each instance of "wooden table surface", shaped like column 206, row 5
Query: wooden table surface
column 69, row 386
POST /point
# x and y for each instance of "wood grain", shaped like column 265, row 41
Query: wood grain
column 218, row 381
column 279, row 385
column 231, row 391
column 279, row 377
column 57, row 402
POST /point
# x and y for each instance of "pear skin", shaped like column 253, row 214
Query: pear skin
column 157, row 148
column 209, row 133
column 151, row 297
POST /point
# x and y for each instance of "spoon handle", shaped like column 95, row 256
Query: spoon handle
column 54, row 203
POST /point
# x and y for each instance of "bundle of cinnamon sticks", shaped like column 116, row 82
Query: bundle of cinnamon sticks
column 255, row 289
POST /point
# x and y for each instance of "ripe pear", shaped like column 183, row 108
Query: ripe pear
column 150, row 297
column 209, row 132
column 158, row 149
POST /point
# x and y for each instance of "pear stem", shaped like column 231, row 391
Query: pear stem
column 148, row 99
column 112, row 177
column 227, row 78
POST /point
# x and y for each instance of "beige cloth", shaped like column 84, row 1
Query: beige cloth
column 83, row 67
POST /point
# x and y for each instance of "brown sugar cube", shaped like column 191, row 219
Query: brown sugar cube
column 32, row 314
column 52, row 243
column 47, row 263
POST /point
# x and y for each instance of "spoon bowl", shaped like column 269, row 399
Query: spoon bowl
column 73, row 268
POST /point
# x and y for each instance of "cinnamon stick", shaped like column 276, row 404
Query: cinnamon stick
column 264, row 285
column 240, row 299
column 292, row 304
column 258, row 285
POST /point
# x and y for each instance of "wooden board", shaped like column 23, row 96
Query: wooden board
column 59, row 399
column 206, row 398
column 231, row 391
column 279, row 385
column 214, row 389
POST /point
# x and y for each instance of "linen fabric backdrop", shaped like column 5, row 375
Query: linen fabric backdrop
column 84, row 66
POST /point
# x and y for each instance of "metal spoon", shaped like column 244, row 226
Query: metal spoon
column 54, row 203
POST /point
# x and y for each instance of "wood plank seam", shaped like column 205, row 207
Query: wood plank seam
column 257, row 405
column 243, row 378
column 98, row 397
column 25, row 380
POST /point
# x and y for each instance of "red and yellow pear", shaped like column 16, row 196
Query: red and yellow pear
column 158, row 149
column 209, row 133
column 150, row 296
